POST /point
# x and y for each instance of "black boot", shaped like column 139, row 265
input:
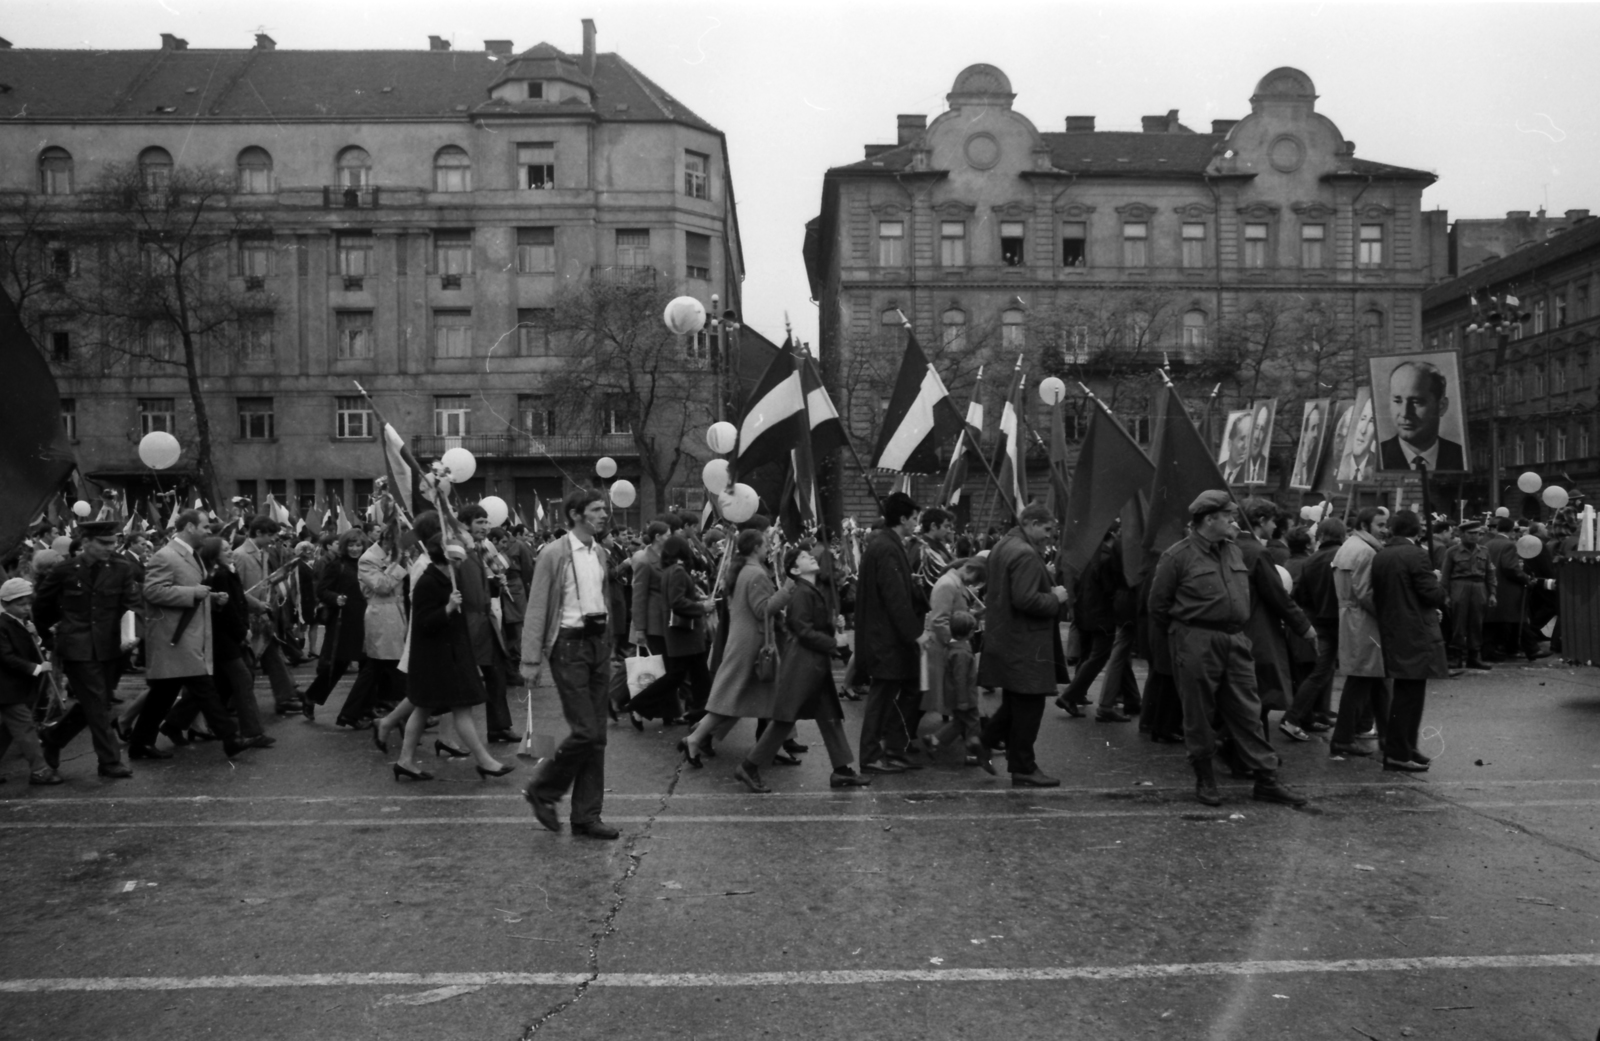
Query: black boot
column 1205, row 783
column 1269, row 789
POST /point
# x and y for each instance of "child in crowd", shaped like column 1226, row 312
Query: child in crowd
column 961, row 695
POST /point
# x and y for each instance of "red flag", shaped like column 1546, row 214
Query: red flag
column 1184, row 468
column 1112, row 469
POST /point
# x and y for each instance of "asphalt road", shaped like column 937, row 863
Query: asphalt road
column 301, row 893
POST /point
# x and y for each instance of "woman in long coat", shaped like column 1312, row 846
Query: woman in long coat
column 805, row 681
column 736, row 693
column 684, row 640
column 1360, row 642
column 339, row 592
column 383, row 637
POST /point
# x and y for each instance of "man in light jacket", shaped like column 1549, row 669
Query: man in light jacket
column 254, row 565
column 1360, row 645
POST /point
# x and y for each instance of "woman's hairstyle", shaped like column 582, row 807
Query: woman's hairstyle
column 209, row 552
column 747, row 543
column 676, row 551
column 349, row 538
column 435, row 547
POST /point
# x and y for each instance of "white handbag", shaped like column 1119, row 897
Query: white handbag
column 643, row 670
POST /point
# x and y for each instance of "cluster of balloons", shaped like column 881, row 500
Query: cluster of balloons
column 1554, row 496
column 736, row 502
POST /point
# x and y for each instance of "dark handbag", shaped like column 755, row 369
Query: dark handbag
column 767, row 656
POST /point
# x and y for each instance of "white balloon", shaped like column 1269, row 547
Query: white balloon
column 714, row 475
column 606, row 467
column 461, row 465
column 684, row 315
column 740, row 504
column 81, row 508
column 722, row 437
column 496, row 508
column 1052, row 390
column 1529, row 482
column 1503, row 511
column 159, row 450
column 1555, row 497
column 1529, row 547
column 623, row 493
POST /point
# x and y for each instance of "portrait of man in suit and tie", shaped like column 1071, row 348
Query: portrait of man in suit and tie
column 1418, row 427
column 1309, row 450
column 1234, row 454
column 1266, row 411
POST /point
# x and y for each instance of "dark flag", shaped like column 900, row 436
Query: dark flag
column 1184, row 468
column 774, row 419
column 37, row 455
column 955, row 478
column 1011, row 455
column 827, row 429
column 1112, row 469
column 921, row 416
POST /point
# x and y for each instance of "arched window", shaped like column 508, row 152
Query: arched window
column 1194, row 330
column 1538, row 383
column 1538, row 446
column 953, row 329
column 155, row 168
column 1372, row 329
column 452, row 170
column 55, row 171
column 355, row 168
column 255, row 171
column 1013, row 330
column 1561, row 445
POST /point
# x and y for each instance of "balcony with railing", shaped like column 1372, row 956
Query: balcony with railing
column 526, row 446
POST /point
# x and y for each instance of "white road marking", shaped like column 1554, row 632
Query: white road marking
column 818, row 977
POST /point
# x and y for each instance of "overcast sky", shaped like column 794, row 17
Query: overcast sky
column 1502, row 101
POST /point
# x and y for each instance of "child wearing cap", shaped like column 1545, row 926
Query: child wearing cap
column 21, row 666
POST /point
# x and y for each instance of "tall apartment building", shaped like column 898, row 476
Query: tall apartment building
column 1232, row 253
column 412, row 216
column 1528, row 365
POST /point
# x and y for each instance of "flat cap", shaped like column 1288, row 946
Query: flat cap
column 97, row 529
column 1210, row 502
column 14, row 588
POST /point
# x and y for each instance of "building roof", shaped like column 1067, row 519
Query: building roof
column 1581, row 237
column 231, row 85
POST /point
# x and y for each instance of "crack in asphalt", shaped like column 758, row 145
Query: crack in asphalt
column 1578, row 851
column 608, row 924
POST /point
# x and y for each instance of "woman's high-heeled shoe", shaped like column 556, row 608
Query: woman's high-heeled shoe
column 440, row 748
column 637, row 721
column 415, row 775
column 683, row 750
column 484, row 775
column 380, row 737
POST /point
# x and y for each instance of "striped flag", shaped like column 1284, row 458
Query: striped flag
column 827, row 429
column 775, row 416
column 1011, row 458
column 956, row 476
column 270, row 507
column 920, row 417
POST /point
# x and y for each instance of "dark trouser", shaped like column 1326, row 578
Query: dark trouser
column 1162, row 712
column 236, row 686
column 1468, row 602
column 17, row 722
column 162, row 695
column 1017, row 724
column 378, row 680
column 278, row 675
column 1405, row 718
column 496, row 711
column 1316, row 688
column 963, row 725
column 328, row 675
column 833, row 739
column 1362, row 696
column 1121, row 685
column 91, row 683
column 1216, row 677
column 894, row 708
column 1095, row 655
column 513, row 640
column 581, row 669
column 659, row 700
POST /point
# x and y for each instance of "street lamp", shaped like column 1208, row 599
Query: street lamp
column 722, row 323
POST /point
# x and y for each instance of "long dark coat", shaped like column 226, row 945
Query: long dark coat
column 1511, row 575
column 1021, row 620
column 683, row 602
column 889, row 611
column 342, row 578
column 1272, row 615
column 805, row 678
column 442, row 672
column 1408, row 595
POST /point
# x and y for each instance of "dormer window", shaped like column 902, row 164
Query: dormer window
column 536, row 90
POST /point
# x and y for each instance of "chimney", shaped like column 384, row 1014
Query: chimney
column 438, row 43
column 499, row 47
column 265, row 42
column 588, row 46
column 1518, row 214
column 5, row 44
column 1080, row 124
column 1572, row 215
column 1154, row 124
column 170, row 42
column 1222, row 126
column 910, row 126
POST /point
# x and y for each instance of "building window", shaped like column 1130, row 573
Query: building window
column 1194, row 245
column 1538, row 316
column 533, row 331
column 355, row 253
column 1561, row 444
column 1075, row 344
column 1371, row 245
column 452, row 334
column 452, row 252
column 633, row 248
column 696, row 180
column 1538, row 446
column 352, row 418
column 697, row 346
column 1558, row 376
column 1372, row 330
column 255, row 336
column 452, row 170
column 1135, row 243
column 616, row 415
column 535, row 417
column 450, row 416
column 536, row 250
column 953, row 326
column 1450, row 339
column 59, row 263
column 255, row 256
column 697, row 255
column 354, row 167
column 1139, row 323
column 891, row 243
column 1074, row 244
column 1012, row 235
column 255, row 171
column 1515, row 385
column 536, row 165
column 352, row 335
column 69, row 417
column 60, row 345
column 1311, row 239
column 157, row 340
column 535, row 90
column 1013, row 330
column 157, row 414
column 953, row 243
column 155, row 169
column 1516, row 451
column 1194, row 330
column 1561, row 310
column 1583, row 441
column 1580, row 303
column 55, row 171
column 1255, row 245
column 889, row 323
column 256, row 420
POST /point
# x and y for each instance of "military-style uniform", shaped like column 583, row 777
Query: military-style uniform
column 1469, row 576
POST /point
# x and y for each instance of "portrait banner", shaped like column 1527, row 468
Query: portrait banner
column 1419, row 414
column 1358, row 460
column 1308, row 452
column 1333, row 446
column 1264, row 412
column 1233, row 455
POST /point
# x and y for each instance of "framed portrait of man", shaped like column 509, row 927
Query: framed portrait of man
column 1341, row 412
column 1307, row 453
column 1421, row 422
column 1233, row 456
column 1264, row 411
column 1358, row 458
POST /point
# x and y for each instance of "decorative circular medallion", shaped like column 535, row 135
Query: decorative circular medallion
column 1286, row 153
column 983, row 151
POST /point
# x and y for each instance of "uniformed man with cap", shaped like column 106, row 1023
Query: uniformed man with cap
column 1200, row 597
column 1469, row 576
column 84, row 599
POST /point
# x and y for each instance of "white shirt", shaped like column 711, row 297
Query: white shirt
column 1431, row 456
column 583, row 585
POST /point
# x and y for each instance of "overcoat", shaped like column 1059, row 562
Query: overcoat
column 1408, row 596
column 735, row 691
column 1272, row 616
column 1021, row 619
column 889, row 611
column 443, row 671
column 678, row 593
column 1360, row 645
column 338, row 579
column 173, row 582
column 85, row 602
column 948, row 596
column 19, row 657
column 1511, row 576
column 805, row 679
column 384, row 624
